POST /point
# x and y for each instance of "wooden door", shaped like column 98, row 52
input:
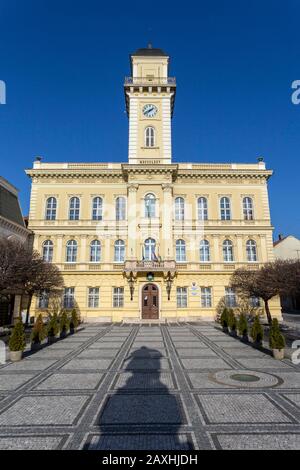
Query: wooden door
column 150, row 300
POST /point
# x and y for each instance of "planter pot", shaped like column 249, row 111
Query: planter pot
column 63, row 334
column 257, row 344
column 73, row 330
column 278, row 354
column 245, row 339
column 233, row 333
column 15, row 355
column 225, row 329
column 52, row 339
column 35, row 346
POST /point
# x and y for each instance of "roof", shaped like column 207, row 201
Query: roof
column 150, row 51
column 9, row 203
column 277, row 242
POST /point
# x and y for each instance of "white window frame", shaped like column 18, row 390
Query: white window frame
column 202, row 208
column 150, row 136
column 149, row 248
column 150, row 205
column 47, row 251
column 51, row 210
column 95, row 251
column 248, row 213
column 69, row 297
column 118, row 297
column 71, row 256
column 204, row 251
column 225, row 208
column 180, row 250
column 97, row 208
column 179, row 205
column 74, row 209
column 227, row 248
column 120, row 208
column 230, row 297
column 251, row 251
column 119, row 251
column 93, row 297
column 182, row 297
column 43, row 299
column 206, row 297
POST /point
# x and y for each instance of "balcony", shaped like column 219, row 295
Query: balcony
column 150, row 81
column 153, row 266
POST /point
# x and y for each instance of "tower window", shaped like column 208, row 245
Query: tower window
column 149, row 137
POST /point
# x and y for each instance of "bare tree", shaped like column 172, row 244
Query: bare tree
column 274, row 278
column 14, row 256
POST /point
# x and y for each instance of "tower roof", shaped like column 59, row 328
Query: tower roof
column 150, row 51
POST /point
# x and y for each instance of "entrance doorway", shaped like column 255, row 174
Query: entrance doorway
column 150, row 302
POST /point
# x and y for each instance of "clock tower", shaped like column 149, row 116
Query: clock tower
column 150, row 96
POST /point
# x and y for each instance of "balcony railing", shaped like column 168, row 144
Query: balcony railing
column 146, row 266
column 150, row 81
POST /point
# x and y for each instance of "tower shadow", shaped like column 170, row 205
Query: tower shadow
column 143, row 413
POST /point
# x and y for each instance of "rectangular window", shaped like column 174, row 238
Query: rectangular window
column 43, row 301
column 93, row 300
column 69, row 297
column 230, row 297
column 206, row 297
column 118, row 297
column 254, row 301
column 181, row 297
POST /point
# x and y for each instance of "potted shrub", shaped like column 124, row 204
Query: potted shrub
column 64, row 324
column 243, row 327
column 53, row 328
column 17, row 341
column 276, row 340
column 38, row 333
column 74, row 322
column 232, row 322
column 257, row 332
column 224, row 320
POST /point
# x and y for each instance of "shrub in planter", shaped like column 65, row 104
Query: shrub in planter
column 17, row 341
column 257, row 332
column 53, row 328
column 38, row 333
column 232, row 322
column 276, row 340
column 224, row 320
column 243, row 327
column 64, row 324
column 74, row 322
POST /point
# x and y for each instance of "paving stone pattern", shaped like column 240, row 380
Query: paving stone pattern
column 157, row 387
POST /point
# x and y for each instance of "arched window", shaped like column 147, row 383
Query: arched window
column 179, row 208
column 204, row 251
column 180, row 251
column 71, row 254
column 227, row 251
column 150, row 203
column 248, row 208
column 48, row 251
column 74, row 208
column 149, row 249
column 149, row 137
column 225, row 208
column 51, row 206
column 202, row 208
column 251, row 250
column 120, row 208
column 97, row 208
column 119, row 251
column 95, row 251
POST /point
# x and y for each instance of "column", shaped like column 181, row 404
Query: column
column 167, row 229
column 17, row 308
column 132, row 221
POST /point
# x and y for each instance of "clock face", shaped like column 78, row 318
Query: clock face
column 150, row 110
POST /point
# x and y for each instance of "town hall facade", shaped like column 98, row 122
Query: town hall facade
column 150, row 239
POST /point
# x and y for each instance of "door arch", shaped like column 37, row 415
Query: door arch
column 150, row 302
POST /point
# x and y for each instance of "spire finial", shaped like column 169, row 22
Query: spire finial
column 149, row 45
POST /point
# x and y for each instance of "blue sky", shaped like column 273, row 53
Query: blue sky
column 64, row 63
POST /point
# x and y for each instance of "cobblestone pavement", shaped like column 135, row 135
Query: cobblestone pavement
column 172, row 387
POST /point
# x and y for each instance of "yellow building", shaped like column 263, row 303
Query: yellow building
column 150, row 239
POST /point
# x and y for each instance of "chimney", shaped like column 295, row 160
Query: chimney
column 280, row 236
